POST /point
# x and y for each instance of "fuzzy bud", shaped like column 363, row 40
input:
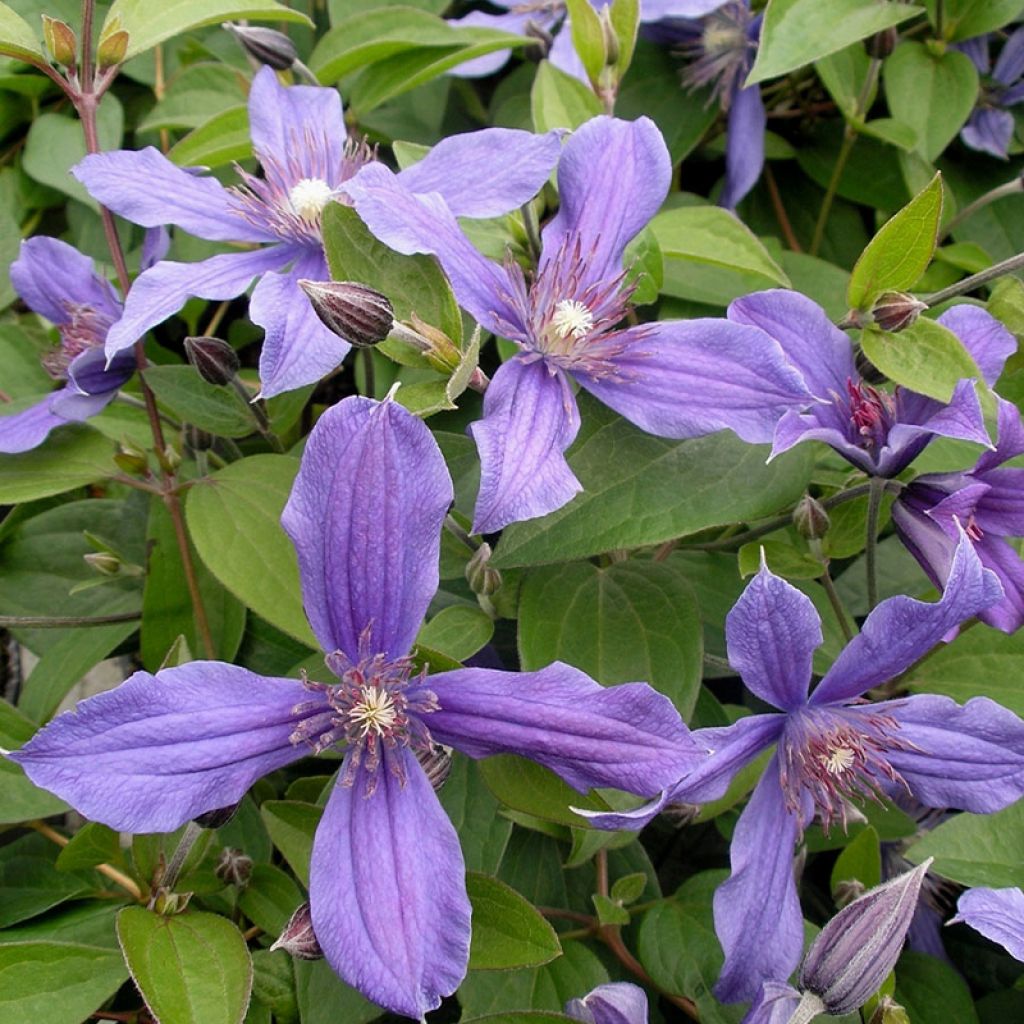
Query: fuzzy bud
column 169, row 459
column 881, row 44
column 215, row 360
column 60, row 41
column 483, row 580
column 132, row 459
column 438, row 349
column 112, row 49
column 894, row 311
column 298, row 937
column 679, row 815
column 218, row 817
column 355, row 312
column 810, row 518
column 234, row 867
column 889, row 1011
column 436, row 763
column 266, row 45
column 104, row 563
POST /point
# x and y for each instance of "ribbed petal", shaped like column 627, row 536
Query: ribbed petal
column 989, row 130
column 143, row 186
column 161, row 749
column 970, row 757
column 161, row 291
column 772, row 633
column 530, row 419
column 51, row 276
column 924, row 538
column 976, row 48
column 70, row 404
column 486, row 173
column 757, row 912
column 612, row 179
column 297, row 348
column 744, row 153
column 387, row 890
column 1001, row 557
column 998, row 914
column 987, row 340
column 22, row 431
column 618, row 1002
column 900, row 630
column 365, row 516
column 628, row 736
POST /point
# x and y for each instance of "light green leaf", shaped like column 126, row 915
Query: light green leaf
column 90, row 845
column 933, row 992
column 269, row 898
column 71, row 456
column 844, row 74
column 222, row 139
column 458, row 631
column 861, row 861
column 217, row 410
column 508, row 931
column 192, row 968
column 558, row 100
column 17, row 39
column 587, row 37
column 624, row 16
column 963, row 19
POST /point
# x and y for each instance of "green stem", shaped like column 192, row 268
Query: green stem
column 837, row 605
column 173, row 870
column 532, row 229
column 258, row 414
column 968, row 284
column 64, row 621
column 451, row 524
column 1011, row 188
column 875, row 492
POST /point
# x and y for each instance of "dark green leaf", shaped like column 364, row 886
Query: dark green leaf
column 467, row 801
column 932, row 992
column 269, row 898
column 71, row 456
column 217, row 410
column 507, row 930
column 292, row 825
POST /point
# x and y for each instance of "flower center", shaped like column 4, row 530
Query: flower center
column 571, row 319
column 872, row 414
column 722, row 37
column 85, row 328
column 308, row 198
column 722, row 54
column 375, row 712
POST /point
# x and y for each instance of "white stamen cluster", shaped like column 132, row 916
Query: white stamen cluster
column 572, row 319
column 375, row 712
column 308, row 197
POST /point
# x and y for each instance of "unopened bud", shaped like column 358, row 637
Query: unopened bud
column 438, row 349
column 167, row 904
column 218, row 817
column 169, row 459
column 215, row 360
column 894, row 311
column 132, row 459
column 611, row 37
column 889, row 1011
column 680, row 814
column 104, row 563
column 355, row 312
column 810, row 518
column 436, row 763
column 298, row 937
column 881, row 44
column 848, row 890
column 60, row 41
column 234, row 867
column 481, row 577
column 111, row 49
column 266, row 45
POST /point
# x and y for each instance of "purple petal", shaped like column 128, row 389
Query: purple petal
column 685, row 378
column 480, row 67
column 365, row 516
column 486, row 173
column 969, row 757
column 91, row 373
column 976, row 48
column 772, row 633
column 530, row 419
column 989, row 130
column 72, row 405
column 297, row 348
column 757, row 913
column 161, row 291
column 655, row 10
column 1011, row 438
column 155, row 244
column 812, row 343
column 1010, row 63
column 22, row 431
column 822, row 424
column 998, row 914
column 1002, row 558
column 563, row 54
column 987, row 340
column 387, row 890
column 773, row 1004
column 144, row 187
column 612, row 179
column 628, row 736
column 744, row 154
column 924, row 538
column 158, row 750
column 618, row 1002
column 51, row 276
column 900, row 630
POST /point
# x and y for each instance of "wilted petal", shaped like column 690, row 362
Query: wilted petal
column 530, row 419
column 52, row 277
column 388, row 893
column 744, row 153
column 901, row 629
column 618, row 1002
column 365, row 516
column 161, row 749
column 998, row 914
column 773, row 1004
column 987, row 340
column 990, row 131
column 22, row 431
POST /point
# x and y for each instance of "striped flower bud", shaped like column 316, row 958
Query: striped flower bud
column 266, row 45
column 361, row 315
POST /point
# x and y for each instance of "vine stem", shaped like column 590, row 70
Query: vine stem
column 1010, row 188
column 64, row 621
column 875, row 492
column 126, row 883
column 837, row 605
column 968, row 284
column 173, row 870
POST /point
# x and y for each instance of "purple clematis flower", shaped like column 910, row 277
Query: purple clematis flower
column 878, row 431
column 299, row 138
column 617, row 1002
column 832, row 746
column 59, row 283
column 989, row 501
column 387, row 891
column 672, row 378
column 998, row 914
column 990, row 128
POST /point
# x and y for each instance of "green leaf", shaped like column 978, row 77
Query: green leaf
column 797, row 32
column 473, row 810
column 324, row 998
column 91, row 845
column 20, row 800
column 17, row 39
column 900, row 253
column 292, row 825
column 522, row 1017
column 963, row 19
column 508, row 931
column 221, row 140
column 640, row 489
column 558, row 100
column 217, row 410
column 83, row 977
column 933, row 93
column 234, row 518
column 624, row 16
column 458, row 631
column 932, row 992
column 844, row 74
column 925, row 357
column 32, row 885
column 192, row 968
column 861, row 861
column 71, row 456
column 269, row 898
column 148, row 26
column 631, row 620
column 977, row 849
column 587, row 37
column 629, row 888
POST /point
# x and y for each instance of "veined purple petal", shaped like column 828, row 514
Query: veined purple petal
column 161, row 749
column 480, row 67
column 773, row 1004
column 1001, row 557
column 976, row 48
column 387, row 890
column 744, row 153
column 297, row 348
column 1011, row 438
column 618, row 1002
column 162, row 290
column 970, row 757
column 52, row 278
column 486, row 173
column 530, row 419
column 772, row 633
column 987, row 340
column 91, row 373
column 70, row 404
column 628, row 736
column 655, row 10
column 757, row 912
column 998, row 914
column 990, row 131
column 143, row 186
column 612, row 179
column 155, row 243
column 365, row 516
column 22, row 431
column 900, row 630
column 1010, row 62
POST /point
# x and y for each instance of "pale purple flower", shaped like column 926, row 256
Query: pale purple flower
column 617, row 1002
column 833, row 747
column 998, row 914
column 387, row 888
column 990, row 127
column 880, row 432
column 674, row 378
column 60, row 284
column 299, row 138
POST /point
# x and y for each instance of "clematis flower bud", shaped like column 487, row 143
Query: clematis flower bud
column 481, row 577
column 611, row 37
column 104, row 563
column 298, row 937
column 234, row 867
column 218, row 817
column 111, row 49
column 810, row 518
column 894, row 311
column 436, row 762
column 359, row 314
column 266, row 45
column 215, row 360
column 881, row 44
column 616, row 1003
column 60, row 41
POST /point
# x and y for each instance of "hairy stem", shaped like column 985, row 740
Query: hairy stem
column 119, row 877
column 172, row 872
column 1011, row 188
column 968, row 284
column 837, row 605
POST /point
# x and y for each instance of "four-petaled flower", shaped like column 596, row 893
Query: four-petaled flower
column 387, row 888
column 990, row 127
